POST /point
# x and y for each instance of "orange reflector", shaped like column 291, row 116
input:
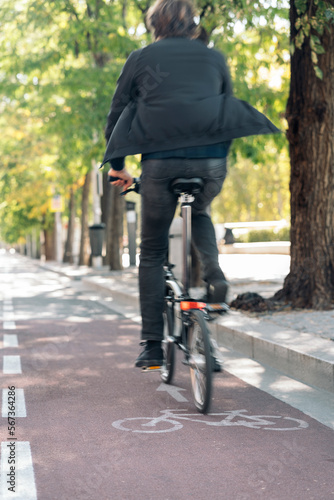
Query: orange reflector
column 186, row 305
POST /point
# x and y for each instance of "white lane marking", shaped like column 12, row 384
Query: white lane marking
column 12, row 365
column 23, row 481
column 19, row 404
column 8, row 315
column 8, row 308
column 10, row 340
column 9, row 325
column 173, row 391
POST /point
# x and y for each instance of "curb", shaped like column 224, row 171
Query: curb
column 302, row 356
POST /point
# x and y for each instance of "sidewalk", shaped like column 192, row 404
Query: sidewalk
column 300, row 344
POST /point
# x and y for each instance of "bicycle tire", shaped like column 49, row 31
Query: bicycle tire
column 200, row 361
column 168, row 346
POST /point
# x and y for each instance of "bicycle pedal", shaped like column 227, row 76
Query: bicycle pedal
column 220, row 307
column 151, row 368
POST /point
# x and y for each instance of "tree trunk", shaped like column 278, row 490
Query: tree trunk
column 115, row 229
column 112, row 206
column 310, row 115
column 68, row 252
column 49, row 248
column 105, row 214
column 84, row 256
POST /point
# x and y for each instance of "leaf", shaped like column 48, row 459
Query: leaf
column 329, row 14
column 306, row 29
column 314, row 57
column 319, row 49
column 316, row 45
column 318, row 72
column 299, row 40
column 315, row 40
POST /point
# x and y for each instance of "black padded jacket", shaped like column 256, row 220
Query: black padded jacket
column 177, row 93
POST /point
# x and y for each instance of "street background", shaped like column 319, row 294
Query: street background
column 69, row 345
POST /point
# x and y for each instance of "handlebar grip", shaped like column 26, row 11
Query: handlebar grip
column 136, row 183
column 112, row 179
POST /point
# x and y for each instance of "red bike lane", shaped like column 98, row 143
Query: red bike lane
column 86, row 405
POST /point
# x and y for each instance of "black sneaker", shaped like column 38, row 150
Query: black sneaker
column 216, row 292
column 152, row 354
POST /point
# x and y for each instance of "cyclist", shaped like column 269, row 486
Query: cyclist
column 174, row 105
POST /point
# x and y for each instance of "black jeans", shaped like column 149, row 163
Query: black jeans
column 158, row 209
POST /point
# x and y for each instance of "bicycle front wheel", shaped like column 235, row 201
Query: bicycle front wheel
column 200, row 361
column 168, row 346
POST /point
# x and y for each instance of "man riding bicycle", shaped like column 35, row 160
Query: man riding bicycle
column 174, row 105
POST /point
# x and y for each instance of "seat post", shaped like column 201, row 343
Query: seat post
column 186, row 201
column 185, row 189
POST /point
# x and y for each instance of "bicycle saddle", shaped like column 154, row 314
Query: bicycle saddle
column 186, row 186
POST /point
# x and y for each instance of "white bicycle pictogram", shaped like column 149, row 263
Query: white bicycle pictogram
column 169, row 421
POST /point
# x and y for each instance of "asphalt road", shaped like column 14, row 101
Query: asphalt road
column 88, row 425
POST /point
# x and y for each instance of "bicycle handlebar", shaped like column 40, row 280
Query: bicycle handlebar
column 136, row 184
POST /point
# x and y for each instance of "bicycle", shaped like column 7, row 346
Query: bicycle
column 185, row 318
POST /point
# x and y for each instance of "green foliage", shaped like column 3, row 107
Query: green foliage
column 59, row 62
column 313, row 18
column 257, row 186
column 255, row 191
column 261, row 235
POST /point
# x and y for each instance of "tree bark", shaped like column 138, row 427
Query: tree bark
column 68, row 252
column 310, row 115
column 115, row 229
column 105, row 215
column 49, row 248
column 84, row 256
column 112, row 215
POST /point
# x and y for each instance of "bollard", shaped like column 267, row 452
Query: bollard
column 96, row 237
column 131, row 218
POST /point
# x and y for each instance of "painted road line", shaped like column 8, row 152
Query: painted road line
column 23, row 479
column 8, row 308
column 10, row 340
column 173, row 391
column 8, row 315
column 9, row 325
column 12, row 365
column 20, row 405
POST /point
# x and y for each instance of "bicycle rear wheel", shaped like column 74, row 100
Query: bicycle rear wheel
column 168, row 346
column 200, row 361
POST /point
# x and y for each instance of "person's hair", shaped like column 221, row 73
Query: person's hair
column 172, row 18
